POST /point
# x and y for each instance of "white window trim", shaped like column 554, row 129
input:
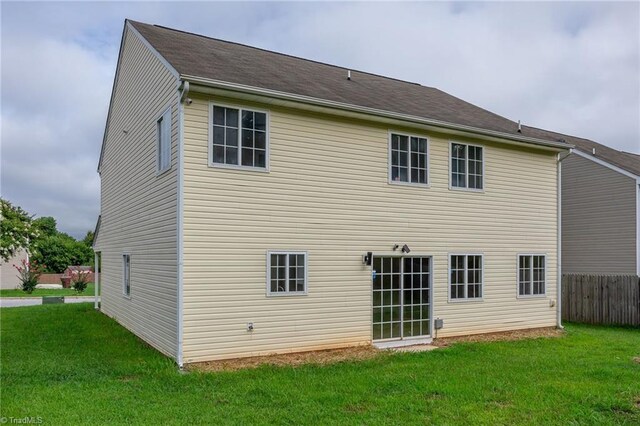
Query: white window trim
column 530, row 296
column 389, row 156
column 484, row 175
column 264, row 169
column 124, row 294
column 465, row 299
column 166, row 115
column 306, row 273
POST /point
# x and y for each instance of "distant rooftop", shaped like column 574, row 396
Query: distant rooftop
column 624, row 160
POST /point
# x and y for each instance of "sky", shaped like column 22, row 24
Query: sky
column 571, row 67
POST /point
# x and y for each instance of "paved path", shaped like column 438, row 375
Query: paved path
column 14, row 302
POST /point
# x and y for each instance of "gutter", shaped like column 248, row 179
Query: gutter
column 559, row 242
column 333, row 105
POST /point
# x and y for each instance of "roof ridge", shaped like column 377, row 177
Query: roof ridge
column 281, row 54
column 563, row 134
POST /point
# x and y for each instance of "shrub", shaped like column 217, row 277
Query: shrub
column 79, row 281
column 28, row 273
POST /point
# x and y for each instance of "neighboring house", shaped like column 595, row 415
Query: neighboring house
column 256, row 203
column 9, row 274
column 600, row 210
column 72, row 271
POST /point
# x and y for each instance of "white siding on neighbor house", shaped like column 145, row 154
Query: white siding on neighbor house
column 138, row 206
column 327, row 193
column 598, row 219
column 9, row 274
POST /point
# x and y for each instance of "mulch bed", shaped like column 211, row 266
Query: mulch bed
column 356, row 353
column 532, row 333
column 359, row 353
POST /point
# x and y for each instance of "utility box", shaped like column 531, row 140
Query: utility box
column 438, row 323
column 50, row 300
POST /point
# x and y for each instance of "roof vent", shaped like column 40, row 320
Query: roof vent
column 348, row 74
column 593, row 151
column 519, row 127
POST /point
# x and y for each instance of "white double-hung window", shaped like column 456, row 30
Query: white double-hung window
column 286, row 273
column 126, row 275
column 239, row 137
column 531, row 275
column 163, row 135
column 408, row 159
column 465, row 276
column 467, row 166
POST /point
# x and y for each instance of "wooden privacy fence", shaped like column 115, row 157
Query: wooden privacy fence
column 601, row 299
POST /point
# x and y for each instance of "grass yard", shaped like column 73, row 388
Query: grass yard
column 39, row 292
column 69, row 364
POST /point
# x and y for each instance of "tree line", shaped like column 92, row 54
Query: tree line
column 41, row 238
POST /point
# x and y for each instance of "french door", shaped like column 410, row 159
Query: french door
column 401, row 297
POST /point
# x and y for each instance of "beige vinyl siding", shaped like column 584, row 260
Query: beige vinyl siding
column 327, row 193
column 598, row 219
column 139, row 207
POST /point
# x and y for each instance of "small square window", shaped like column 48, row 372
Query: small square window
column 286, row 273
column 238, row 137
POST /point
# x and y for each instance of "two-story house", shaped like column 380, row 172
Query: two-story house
column 600, row 210
column 257, row 203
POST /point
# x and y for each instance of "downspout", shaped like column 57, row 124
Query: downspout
column 638, row 226
column 560, row 158
column 96, row 279
column 183, row 89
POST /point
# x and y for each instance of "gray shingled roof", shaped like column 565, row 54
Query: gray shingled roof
column 205, row 57
column 624, row 160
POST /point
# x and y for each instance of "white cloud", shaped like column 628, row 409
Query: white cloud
column 569, row 67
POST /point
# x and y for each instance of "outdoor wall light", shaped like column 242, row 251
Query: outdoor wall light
column 406, row 249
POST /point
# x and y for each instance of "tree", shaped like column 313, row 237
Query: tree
column 46, row 226
column 61, row 250
column 16, row 230
column 88, row 239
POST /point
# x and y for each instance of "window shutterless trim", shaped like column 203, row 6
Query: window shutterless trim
column 124, row 293
column 466, row 174
column 530, row 296
column 239, row 166
column 306, row 269
column 466, row 278
column 167, row 114
column 390, row 165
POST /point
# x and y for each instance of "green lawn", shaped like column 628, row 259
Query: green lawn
column 39, row 292
column 69, row 364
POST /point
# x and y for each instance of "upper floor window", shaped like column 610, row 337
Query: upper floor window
column 465, row 276
column 531, row 275
column 239, row 137
column 163, row 134
column 467, row 168
column 408, row 159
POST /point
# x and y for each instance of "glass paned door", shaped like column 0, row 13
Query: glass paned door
column 401, row 297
